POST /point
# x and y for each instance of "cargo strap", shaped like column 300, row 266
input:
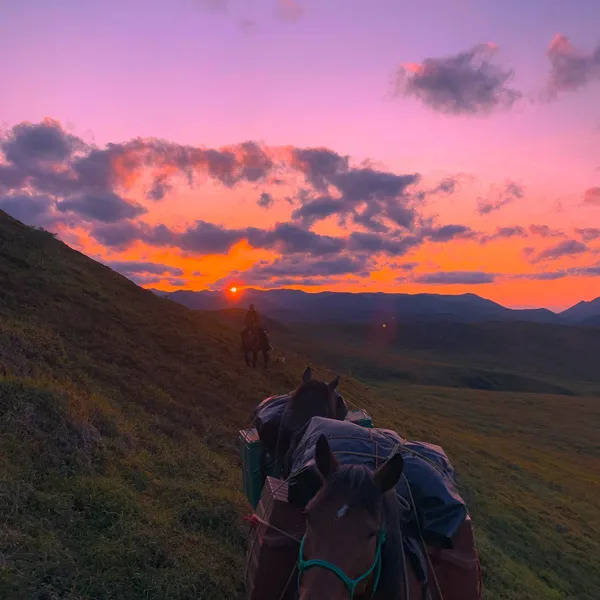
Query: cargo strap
column 351, row 584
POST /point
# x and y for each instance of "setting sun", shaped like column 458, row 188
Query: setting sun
column 233, row 290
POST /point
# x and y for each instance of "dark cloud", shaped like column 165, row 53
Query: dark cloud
column 319, row 208
column 136, row 267
column 589, row 233
column 207, row 238
column 508, row 194
column 29, row 209
column 408, row 266
column 375, row 243
column 298, row 269
column 544, row 276
column 446, row 186
column 446, row 233
column 122, row 235
column 590, row 270
column 106, row 207
column 464, row 83
column 289, row 238
column 29, row 144
column 566, row 248
column 545, row 231
column 117, row 235
column 160, row 188
column 570, row 68
column 307, row 266
column 592, row 196
column 503, row 233
column 366, row 195
column 265, row 200
column 320, row 165
column 456, row 277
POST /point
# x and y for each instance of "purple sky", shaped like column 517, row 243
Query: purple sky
column 322, row 73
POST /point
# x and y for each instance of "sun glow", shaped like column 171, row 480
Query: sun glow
column 233, row 289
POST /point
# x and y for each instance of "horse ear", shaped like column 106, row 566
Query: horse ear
column 326, row 461
column 388, row 474
column 332, row 385
column 307, row 375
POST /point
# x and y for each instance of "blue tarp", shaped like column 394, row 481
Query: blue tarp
column 269, row 419
column 427, row 470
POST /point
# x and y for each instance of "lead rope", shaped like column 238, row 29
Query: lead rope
column 424, row 546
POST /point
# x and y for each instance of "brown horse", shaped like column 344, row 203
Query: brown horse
column 312, row 398
column 255, row 341
column 353, row 546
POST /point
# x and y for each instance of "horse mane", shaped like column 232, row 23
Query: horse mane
column 357, row 484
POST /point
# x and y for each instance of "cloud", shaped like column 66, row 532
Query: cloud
column 511, row 192
column 592, row 196
column 123, row 234
column 289, row 238
column 160, row 187
column 297, row 270
column 289, row 10
column 318, row 208
column 29, row 208
column 367, row 195
column 376, row 243
column 571, row 68
column 106, row 207
column 408, row 266
column 135, row 267
column 587, row 271
column 265, row 200
column 589, row 234
column 566, row 248
column 32, row 144
column 464, row 83
column 445, row 233
column 503, row 233
column 456, row 277
column 544, row 276
column 545, row 231
column 320, row 165
column 207, row 238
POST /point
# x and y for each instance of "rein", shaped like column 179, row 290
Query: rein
column 351, row 584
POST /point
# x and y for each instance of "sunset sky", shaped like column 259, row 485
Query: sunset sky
column 442, row 146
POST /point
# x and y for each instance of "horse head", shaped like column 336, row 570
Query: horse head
column 312, row 398
column 351, row 548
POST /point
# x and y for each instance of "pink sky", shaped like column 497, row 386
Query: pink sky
column 504, row 109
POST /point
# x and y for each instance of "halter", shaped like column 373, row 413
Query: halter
column 351, row 584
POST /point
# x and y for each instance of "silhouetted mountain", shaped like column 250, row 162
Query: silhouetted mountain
column 582, row 311
column 591, row 321
column 297, row 306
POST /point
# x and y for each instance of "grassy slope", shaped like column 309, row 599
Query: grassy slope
column 118, row 474
column 528, row 357
column 118, row 418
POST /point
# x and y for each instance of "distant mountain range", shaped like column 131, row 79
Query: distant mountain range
column 291, row 306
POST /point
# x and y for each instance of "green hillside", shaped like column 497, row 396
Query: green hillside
column 118, row 418
column 118, row 471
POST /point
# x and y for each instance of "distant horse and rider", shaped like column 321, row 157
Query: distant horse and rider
column 255, row 338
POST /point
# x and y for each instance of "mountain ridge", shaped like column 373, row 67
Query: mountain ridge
column 292, row 305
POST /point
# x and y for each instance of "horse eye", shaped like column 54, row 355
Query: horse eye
column 372, row 534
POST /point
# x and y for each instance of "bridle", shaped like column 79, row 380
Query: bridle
column 351, row 584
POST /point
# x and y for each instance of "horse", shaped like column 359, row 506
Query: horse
column 255, row 341
column 312, row 398
column 353, row 545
